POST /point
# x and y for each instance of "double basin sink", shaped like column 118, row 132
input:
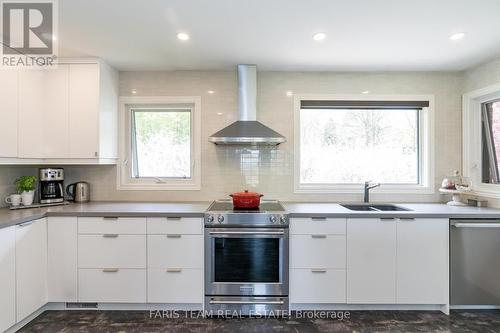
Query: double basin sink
column 376, row 208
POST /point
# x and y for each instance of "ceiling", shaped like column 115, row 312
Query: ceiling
column 362, row 35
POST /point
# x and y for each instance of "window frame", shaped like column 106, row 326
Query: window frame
column 426, row 163
column 125, row 178
column 472, row 161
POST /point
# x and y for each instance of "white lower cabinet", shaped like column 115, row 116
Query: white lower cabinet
column 112, row 285
column 31, row 267
column 314, row 286
column 7, row 278
column 184, row 251
column 422, row 261
column 62, row 259
column 371, row 261
column 175, row 285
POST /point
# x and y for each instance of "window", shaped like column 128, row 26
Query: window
column 159, row 143
column 343, row 143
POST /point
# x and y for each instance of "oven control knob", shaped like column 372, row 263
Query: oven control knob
column 272, row 218
column 283, row 219
column 210, row 218
column 220, row 219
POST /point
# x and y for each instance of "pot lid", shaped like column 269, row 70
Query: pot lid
column 246, row 193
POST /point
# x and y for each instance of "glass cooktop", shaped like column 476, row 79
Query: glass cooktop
column 227, row 206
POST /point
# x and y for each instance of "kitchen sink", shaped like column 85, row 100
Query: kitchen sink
column 376, row 208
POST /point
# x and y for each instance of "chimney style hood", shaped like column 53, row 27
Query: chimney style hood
column 247, row 130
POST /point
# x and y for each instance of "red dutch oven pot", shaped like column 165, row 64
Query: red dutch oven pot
column 246, row 199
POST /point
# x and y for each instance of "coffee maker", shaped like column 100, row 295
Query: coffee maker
column 51, row 185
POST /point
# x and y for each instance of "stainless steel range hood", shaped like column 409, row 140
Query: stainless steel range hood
column 247, row 130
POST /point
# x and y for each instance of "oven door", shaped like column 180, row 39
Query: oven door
column 246, row 261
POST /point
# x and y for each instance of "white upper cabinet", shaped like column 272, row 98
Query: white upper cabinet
column 371, row 261
column 9, row 111
column 67, row 114
column 31, row 267
column 422, row 261
column 7, row 278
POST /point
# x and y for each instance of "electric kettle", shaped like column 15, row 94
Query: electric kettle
column 79, row 192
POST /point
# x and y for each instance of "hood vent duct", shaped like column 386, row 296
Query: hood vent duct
column 247, row 130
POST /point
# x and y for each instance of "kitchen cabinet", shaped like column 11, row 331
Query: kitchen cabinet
column 62, row 259
column 422, row 261
column 9, row 110
column 31, row 267
column 7, row 278
column 371, row 261
column 67, row 114
column 317, row 260
column 174, row 278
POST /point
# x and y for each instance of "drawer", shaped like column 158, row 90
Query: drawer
column 311, row 226
column 112, row 225
column 175, row 250
column 112, row 251
column 112, row 286
column 313, row 251
column 175, row 285
column 175, row 225
column 317, row 286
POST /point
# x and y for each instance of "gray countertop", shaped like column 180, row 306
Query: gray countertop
column 196, row 209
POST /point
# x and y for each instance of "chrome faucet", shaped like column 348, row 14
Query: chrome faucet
column 367, row 188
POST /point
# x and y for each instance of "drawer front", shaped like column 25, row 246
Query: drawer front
column 175, row 225
column 175, row 250
column 319, row 286
column 175, row 285
column 111, row 251
column 311, row 226
column 318, row 251
column 112, row 225
column 121, row 286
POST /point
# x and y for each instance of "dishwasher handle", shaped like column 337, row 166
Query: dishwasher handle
column 475, row 225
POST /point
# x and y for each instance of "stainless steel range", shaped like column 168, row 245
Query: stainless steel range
column 246, row 258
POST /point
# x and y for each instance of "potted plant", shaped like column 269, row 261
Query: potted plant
column 26, row 187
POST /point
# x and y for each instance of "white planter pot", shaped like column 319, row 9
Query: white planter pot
column 27, row 198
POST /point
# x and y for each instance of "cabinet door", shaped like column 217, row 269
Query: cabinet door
column 9, row 89
column 7, row 278
column 62, row 259
column 56, row 112
column 84, row 110
column 422, row 261
column 31, row 100
column 371, row 261
column 31, row 267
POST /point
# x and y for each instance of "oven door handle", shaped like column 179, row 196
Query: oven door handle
column 247, row 302
column 271, row 233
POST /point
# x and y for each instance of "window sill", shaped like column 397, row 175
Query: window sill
column 159, row 187
column 358, row 188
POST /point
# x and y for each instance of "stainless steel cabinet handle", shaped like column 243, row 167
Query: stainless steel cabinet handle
column 25, row 224
column 110, row 270
column 247, row 302
column 110, row 235
column 173, row 236
column 110, row 218
column 246, row 232
column 318, row 218
column 387, row 219
column 174, row 270
column 476, row 225
column 173, row 217
column 318, row 270
column 318, row 236
column 408, row 219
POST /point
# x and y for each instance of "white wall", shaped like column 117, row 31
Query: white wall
column 229, row 169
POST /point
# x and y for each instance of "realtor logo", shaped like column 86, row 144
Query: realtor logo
column 28, row 33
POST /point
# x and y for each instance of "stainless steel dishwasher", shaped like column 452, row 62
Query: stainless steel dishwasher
column 475, row 262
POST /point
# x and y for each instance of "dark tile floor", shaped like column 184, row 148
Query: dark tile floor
column 359, row 321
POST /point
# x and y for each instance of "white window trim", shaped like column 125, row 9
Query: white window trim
column 426, row 136
column 472, row 150
column 124, row 181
